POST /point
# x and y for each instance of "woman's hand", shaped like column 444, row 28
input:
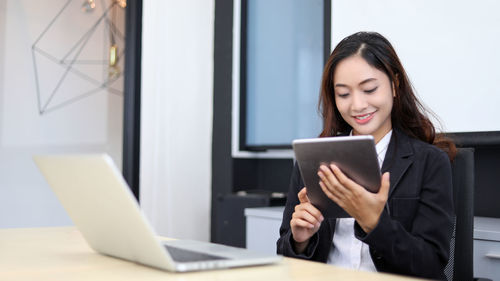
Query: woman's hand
column 365, row 207
column 306, row 220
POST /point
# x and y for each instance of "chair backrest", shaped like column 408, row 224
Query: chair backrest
column 460, row 265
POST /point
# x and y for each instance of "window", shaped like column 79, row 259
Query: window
column 282, row 53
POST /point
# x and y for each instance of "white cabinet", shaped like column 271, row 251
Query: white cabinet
column 262, row 228
column 487, row 248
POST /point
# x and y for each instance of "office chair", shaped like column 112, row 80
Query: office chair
column 460, row 264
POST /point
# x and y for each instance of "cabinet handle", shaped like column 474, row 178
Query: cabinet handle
column 493, row 256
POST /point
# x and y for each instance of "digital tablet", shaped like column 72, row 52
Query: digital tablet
column 354, row 155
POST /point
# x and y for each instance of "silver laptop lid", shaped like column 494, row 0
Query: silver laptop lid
column 98, row 200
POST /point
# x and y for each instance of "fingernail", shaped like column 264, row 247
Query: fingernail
column 321, row 218
column 318, row 224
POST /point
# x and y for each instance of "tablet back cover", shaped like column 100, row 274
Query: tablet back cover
column 354, row 155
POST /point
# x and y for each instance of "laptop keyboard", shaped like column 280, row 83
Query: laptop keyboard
column 181, row 255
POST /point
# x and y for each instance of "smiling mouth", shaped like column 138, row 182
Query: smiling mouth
column 363, row 117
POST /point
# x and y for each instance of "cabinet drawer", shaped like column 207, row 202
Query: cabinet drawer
column 262, row 228
column 487, row 259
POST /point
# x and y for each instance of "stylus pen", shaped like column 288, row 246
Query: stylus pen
column 387, row 207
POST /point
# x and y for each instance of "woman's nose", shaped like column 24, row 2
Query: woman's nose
column 359, row 102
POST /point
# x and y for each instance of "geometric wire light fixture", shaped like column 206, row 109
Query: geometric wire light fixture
column 70, row 59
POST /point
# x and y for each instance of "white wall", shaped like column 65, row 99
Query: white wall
column 176, row 116
column 93, row 124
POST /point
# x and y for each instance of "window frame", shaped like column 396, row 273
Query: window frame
column 239, row 96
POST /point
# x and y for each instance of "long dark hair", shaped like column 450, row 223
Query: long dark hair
column 408, row 114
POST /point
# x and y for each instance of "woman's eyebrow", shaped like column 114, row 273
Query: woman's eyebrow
column 361, row 83
column 367, row 80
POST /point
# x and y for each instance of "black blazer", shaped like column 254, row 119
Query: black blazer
column 413, row 234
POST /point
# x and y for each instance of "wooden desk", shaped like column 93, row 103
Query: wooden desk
column 62, row 254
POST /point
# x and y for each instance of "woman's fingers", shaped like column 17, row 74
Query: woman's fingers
column 327, row 176
column 332, row 183
column 331, row 194
column 344, row 180
column 297, row 222
column 341, row 177
column 306, row 218
column 309, row 213
column 305, row 204
column 303, row 195
column 306, row 215
column 383, row 192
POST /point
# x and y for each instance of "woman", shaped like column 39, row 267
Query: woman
column 405, row 228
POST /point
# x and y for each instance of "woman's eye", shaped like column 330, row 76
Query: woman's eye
column 343, row 95
column 371, row 90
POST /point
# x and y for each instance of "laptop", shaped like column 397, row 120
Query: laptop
column 98, row 200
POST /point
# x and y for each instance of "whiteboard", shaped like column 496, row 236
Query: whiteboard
column 450, row 50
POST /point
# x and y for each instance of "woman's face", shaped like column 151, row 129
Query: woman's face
column 364, row 97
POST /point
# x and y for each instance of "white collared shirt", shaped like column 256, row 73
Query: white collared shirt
column 347, row 251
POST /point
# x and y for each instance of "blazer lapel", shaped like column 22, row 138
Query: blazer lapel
column 398, row 158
